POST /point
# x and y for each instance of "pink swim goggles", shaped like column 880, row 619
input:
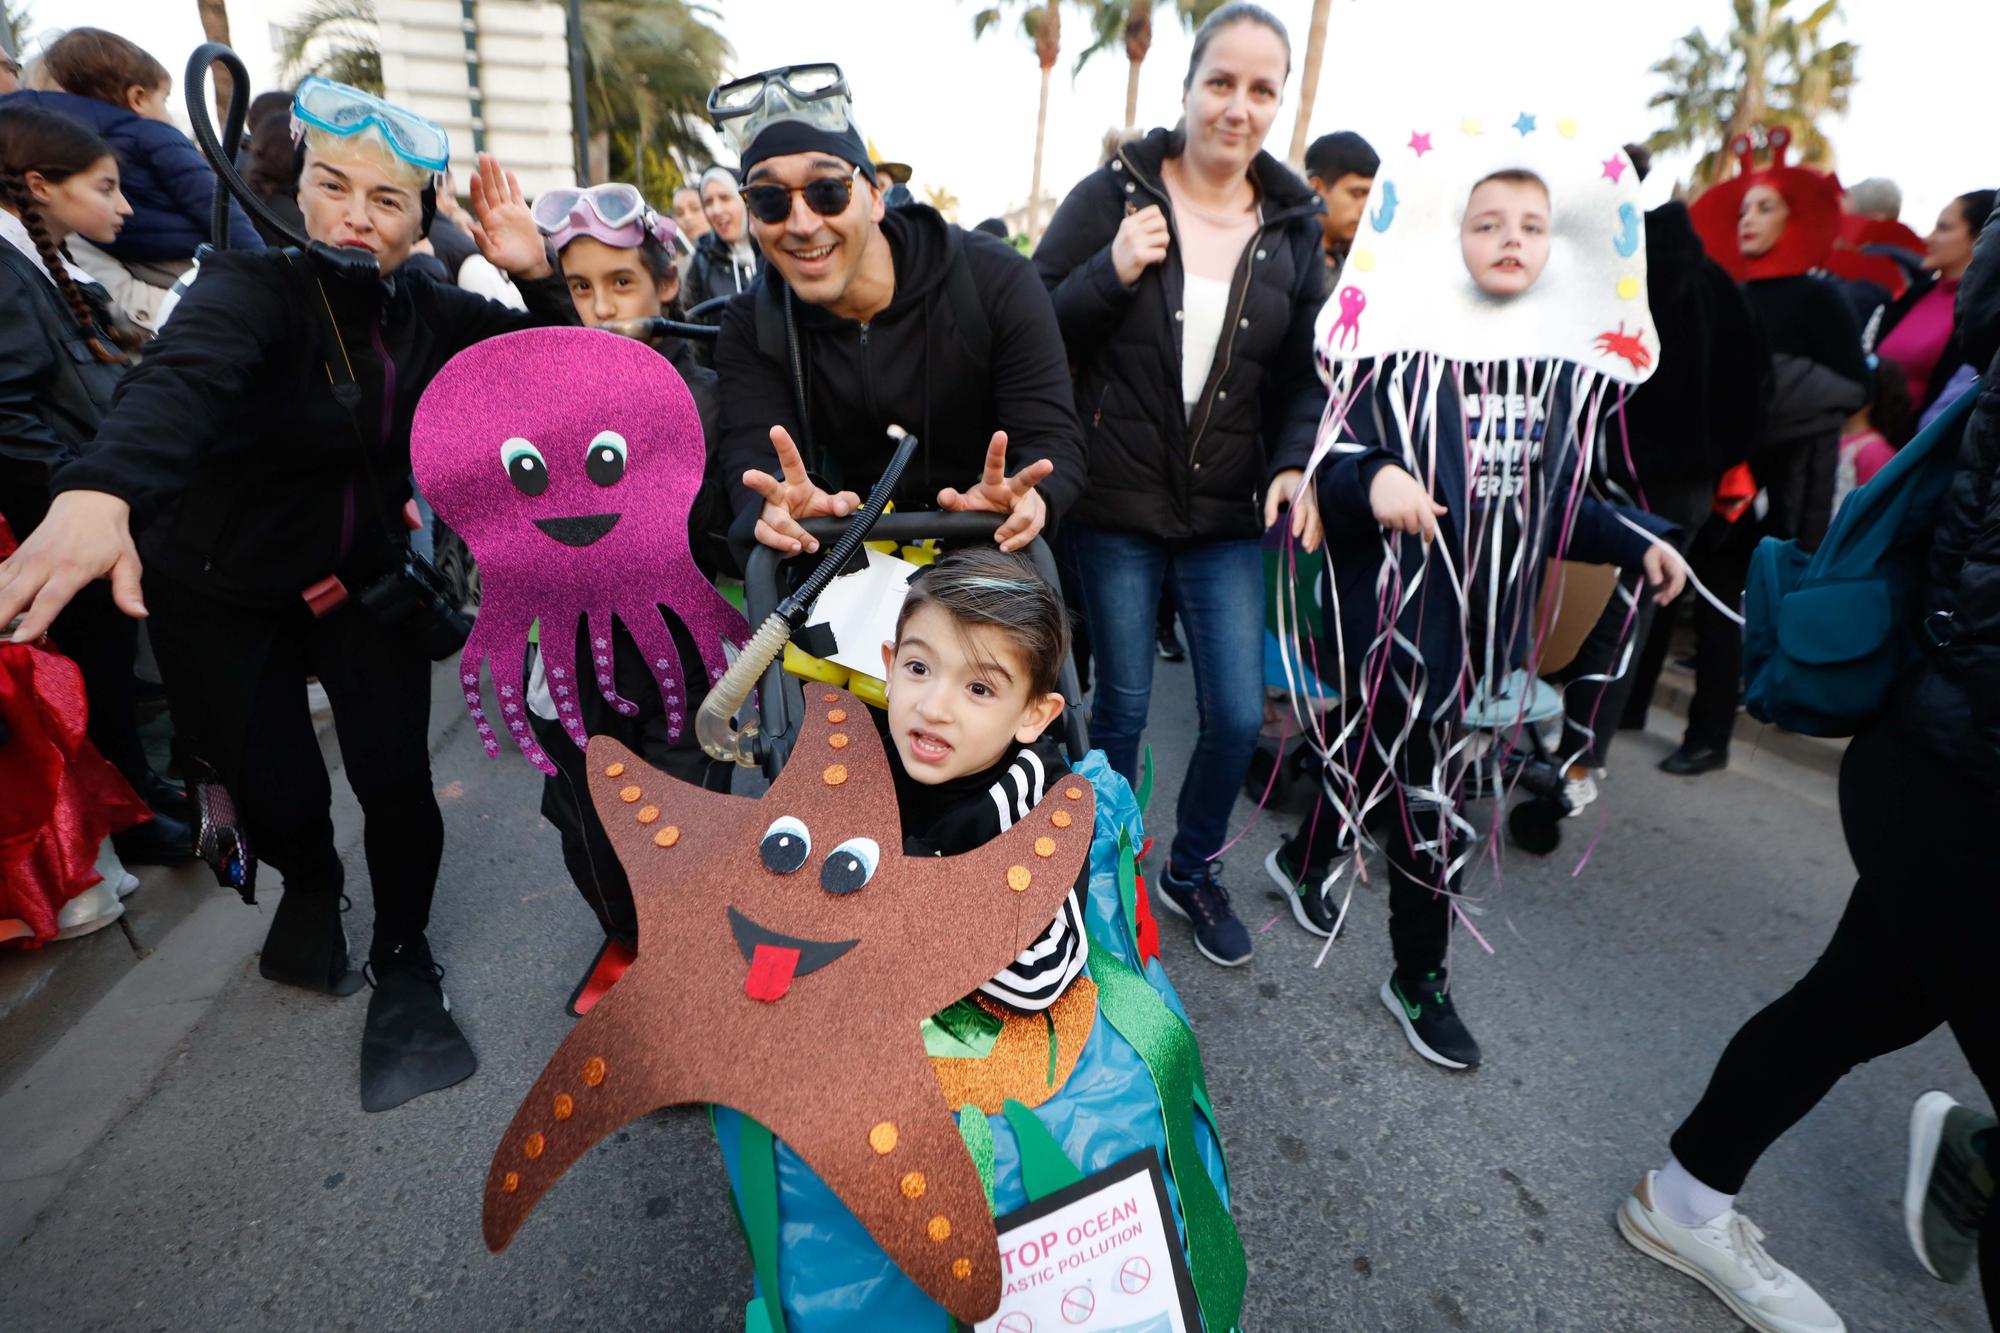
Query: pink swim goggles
column 614, row 213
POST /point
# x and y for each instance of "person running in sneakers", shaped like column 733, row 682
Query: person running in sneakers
column 868, row 317
column 1920, row 805
column 270, row 521
column 1186, row 274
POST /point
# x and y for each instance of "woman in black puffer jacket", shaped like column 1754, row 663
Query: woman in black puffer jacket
column 1920, row 805
column 1186, row 274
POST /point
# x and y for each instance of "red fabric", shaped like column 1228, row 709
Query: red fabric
column 1858, row 231
column 1735, row 492
column 1881, row 270
column 59, row 798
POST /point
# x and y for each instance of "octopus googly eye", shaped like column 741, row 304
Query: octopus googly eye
column 525, row 467
column 786, row 845
column 851, row 866
column 605, row 462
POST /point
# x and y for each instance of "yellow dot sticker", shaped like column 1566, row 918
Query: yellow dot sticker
column 1566, row 127
column 1060, row 819
column 1073, row 793
column 533, row 1147
column 593, row 1071
column 615, row 771
column 565, row 1106
column 648, row 813
column 961, row 1268
column 913, row 1185
column 629, row 794
column 667, row 836
column 838, row 740
column 1018, row 878
column 836, row 716
column 882, row 1138
column 1045, row 847
column 1628, row 289
column 835, row 775
column 1363, row 260
column 510, row 1182
column 939, row 1229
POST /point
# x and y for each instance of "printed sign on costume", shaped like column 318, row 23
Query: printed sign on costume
column 1101, row 1254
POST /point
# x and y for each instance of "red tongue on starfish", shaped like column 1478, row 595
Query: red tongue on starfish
column 771, row 969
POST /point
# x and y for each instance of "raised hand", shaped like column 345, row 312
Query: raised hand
column 86, row 535
column 998, row 493
column 794, row 497
column 502, row 226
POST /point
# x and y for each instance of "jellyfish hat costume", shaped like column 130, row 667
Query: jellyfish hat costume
column 568, row 459
column 1497, row 406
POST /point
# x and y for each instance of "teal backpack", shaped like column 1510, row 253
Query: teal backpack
column 1826, row 634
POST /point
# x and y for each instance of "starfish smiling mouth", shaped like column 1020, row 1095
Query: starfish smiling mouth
column 777, row 960
column 579, row 531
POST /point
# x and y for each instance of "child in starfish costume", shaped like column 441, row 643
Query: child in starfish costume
column 902, row 1113
column 1491, row 304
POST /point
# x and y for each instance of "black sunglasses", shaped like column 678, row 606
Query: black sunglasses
column 827, row 196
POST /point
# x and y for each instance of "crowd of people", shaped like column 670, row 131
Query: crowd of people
column 225, row 461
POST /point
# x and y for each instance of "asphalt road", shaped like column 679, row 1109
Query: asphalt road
column 246, row 1189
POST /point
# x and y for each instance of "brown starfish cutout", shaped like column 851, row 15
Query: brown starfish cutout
column 789, row 951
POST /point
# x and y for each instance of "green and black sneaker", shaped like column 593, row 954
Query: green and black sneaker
column 1315, row 909
column 1430, row 1020
column 1950, row 1184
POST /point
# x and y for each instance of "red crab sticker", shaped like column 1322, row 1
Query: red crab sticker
column 1630, row 346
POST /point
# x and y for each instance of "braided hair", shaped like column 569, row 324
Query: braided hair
column 54, row 147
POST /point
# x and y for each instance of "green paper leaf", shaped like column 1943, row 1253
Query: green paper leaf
column 1045, row 1167
column 1144, row 793
column 978, row 1136
column 961, row 1030
column 757, row 1164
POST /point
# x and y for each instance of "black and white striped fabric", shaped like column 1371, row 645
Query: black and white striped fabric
column 1045, row 968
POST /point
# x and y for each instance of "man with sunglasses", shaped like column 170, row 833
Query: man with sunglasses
column 869, row 317
column 258, row 461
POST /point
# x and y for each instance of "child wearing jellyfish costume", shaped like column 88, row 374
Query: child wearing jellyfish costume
column 1474, row 343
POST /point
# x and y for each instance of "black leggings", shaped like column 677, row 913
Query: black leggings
column 1913, row 950
column 237, row 681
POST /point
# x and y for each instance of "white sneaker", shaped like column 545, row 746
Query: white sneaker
column 1579, row 792
column 93, row 909
column 1727, row 1256
column 121, row 880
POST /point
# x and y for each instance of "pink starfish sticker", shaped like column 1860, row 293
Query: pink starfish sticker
column 1420, row 143
column 1614, row 168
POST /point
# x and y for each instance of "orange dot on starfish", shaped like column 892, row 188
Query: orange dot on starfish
column 565, row 1106
column 1045, row 847
column 648, row 813
column 615, row 771
column 1018, row 878
column 629, row 794
column 533, row 1147
column 829, row 698
column 836, row 716
column 961, row 1268
column 882, row 1138
column 510, row 1182
column 593, row 1071
column 913, row 1185
column 939, row 1229
column 1073, row 793
column 667, row 836
column 835, row 775
column 838, row 740
column 1060, row 819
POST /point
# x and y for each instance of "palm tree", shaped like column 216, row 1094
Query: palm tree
column 215, row 28
column 943, row 200
column 1041, row 22
column 1769, row 70
column 1309, row 82
column 1130, row 22
column 335, row 39
column 13, row 26
column 650, row 65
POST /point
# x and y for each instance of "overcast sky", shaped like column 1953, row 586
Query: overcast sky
column 963, row 112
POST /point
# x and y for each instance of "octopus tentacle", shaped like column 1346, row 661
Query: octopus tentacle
column 476, row 644
column 711, row 621
column 510, row 688
column 656, row 643
column 603, row 658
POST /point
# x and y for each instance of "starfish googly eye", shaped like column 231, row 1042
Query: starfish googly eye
column 525, row 467
column 604, row 462
column 850, row 866
column 786, row 845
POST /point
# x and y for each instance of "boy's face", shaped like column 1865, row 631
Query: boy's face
column 958, row 694
column 1505, row 236
column 610, row 282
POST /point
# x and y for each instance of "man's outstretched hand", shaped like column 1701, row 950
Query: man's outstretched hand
column 998, row 493
column 86, row 535
column 792, row 498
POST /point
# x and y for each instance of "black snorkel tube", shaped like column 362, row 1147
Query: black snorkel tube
column 221, row 160
column 714, row 725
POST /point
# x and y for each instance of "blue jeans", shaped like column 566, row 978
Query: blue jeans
column 1219, row 591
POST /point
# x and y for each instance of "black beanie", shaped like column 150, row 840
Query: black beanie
column 782, row 137
column 1341, row 154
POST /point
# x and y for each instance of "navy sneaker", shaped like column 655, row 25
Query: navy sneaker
column 1430, row 1020
column 1202, row 900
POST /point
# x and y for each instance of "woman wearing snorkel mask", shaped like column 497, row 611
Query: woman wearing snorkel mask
column 266, row 515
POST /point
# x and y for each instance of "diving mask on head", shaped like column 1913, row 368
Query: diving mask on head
column 813, row 95
column 614, row 213
column 344, row 112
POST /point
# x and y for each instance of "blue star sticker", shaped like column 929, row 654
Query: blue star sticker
column 1525, row 123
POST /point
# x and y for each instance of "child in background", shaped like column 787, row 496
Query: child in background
column 121, row 92
column 1503, row 461
column 1874, row 434
column 971, row 677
